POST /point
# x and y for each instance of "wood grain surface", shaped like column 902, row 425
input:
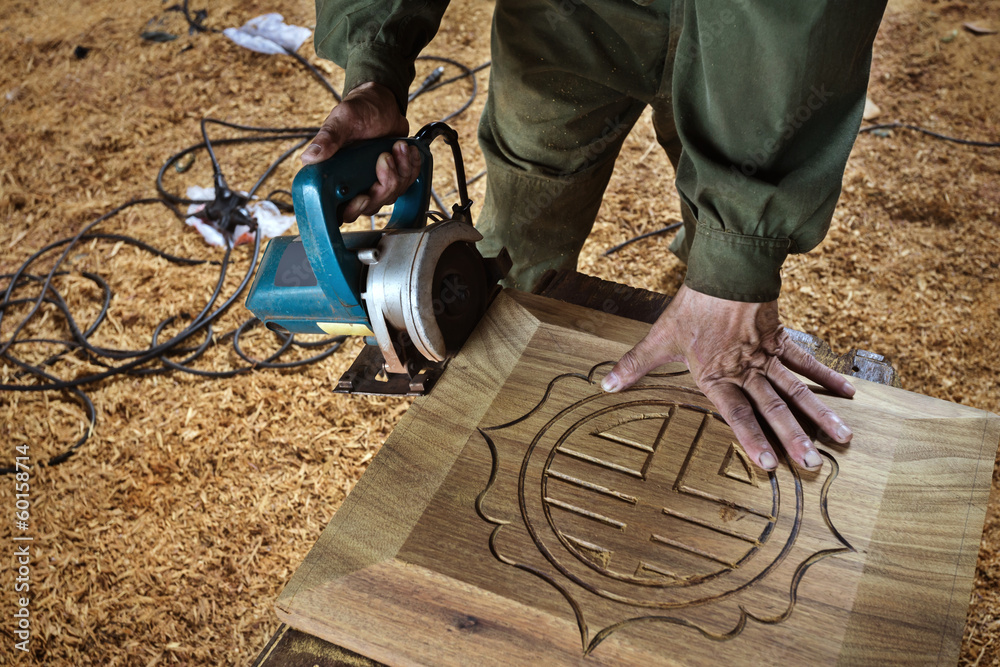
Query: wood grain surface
column 519, row 515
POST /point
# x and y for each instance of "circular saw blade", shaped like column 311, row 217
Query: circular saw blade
column 427, row 292
column 460, row 293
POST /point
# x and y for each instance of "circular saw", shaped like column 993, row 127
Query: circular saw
column 414, row 290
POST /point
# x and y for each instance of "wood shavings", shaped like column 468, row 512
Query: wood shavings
column 166, row 540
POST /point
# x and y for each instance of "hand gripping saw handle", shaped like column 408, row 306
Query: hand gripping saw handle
column 299, row 296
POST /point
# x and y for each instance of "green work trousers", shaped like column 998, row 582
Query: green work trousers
column 756, row 102
column 768, row 99
column 554, row 123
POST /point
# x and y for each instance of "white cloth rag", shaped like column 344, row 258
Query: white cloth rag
column 270, row 221
column 268, row 34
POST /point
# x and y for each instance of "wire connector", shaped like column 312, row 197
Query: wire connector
column 227, row 211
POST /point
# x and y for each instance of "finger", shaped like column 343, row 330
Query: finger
column 333, row 134
column 317, row 151
column 779, row 417
column 806, row 365
column 388, row 184
column 650, row 352
column 394, row 174
column 401, row 154
column 415, row 160
column 408, row 161
column 801, row 396
column 734, row 407
column 355, row 207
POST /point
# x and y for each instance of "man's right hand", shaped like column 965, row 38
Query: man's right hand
column 367, row 112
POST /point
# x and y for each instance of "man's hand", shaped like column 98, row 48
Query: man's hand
column 367, row 112
column 741, row 358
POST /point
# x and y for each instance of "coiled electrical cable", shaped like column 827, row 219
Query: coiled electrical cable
column 177, row 352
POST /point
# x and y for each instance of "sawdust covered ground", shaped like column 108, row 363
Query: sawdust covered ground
column 167, row 537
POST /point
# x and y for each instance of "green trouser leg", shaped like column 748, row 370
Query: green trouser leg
column 543, row 221
column 555, row 119
column 666, row 136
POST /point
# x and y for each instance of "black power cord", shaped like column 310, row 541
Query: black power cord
column 930, row 133
column 174, row 354
column 656, row 232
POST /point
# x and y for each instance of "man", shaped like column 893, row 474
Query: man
column 757, row 104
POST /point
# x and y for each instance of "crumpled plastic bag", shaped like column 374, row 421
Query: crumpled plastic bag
column 268, row 34
column 270, row 221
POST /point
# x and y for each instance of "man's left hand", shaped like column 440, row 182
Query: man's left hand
column 742, row 359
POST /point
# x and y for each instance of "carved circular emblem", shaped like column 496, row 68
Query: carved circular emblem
column 644, row 498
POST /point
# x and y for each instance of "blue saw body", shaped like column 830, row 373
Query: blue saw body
column 414, row 291
column 316, row 277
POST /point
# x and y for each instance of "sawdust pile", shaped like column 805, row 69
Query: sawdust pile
column 167, row 537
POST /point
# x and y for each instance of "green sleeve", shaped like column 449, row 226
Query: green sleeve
column 768, row 97
column 377, row 41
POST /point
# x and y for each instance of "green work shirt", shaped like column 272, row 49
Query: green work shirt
column 767, row 98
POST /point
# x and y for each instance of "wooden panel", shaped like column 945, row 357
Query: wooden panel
column 520, row 515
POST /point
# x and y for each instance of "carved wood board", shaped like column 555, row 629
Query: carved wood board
column 519, row 515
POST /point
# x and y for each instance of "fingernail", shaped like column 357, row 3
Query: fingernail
column 363, row 204
column 611, row 383
column 312, row 152
column 812, row 459
column 767, row 461
column 843, row 433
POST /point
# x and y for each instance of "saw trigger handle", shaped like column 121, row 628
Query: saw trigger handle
column 319, row 193
column 351, row 172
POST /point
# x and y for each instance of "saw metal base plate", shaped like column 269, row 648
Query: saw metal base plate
column 366, row 376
